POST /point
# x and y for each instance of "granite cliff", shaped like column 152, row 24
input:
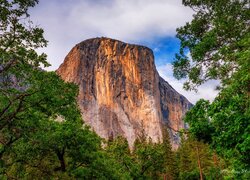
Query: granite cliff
column 121, row 92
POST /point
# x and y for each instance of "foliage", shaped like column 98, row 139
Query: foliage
column 213, row 39
column 19, row 39
column 147, row 160
column 170, row 163
column 148, row 157
column 118, row 149
column 191, row 153
column 18, row 70
column 225, row 125
column 218, row 39
column 199, row 121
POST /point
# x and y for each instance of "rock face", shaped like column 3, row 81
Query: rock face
column 120, row 91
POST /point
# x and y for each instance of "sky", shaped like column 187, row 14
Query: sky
column 151, row 23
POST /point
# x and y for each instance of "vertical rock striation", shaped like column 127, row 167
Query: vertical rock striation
column 120, row 91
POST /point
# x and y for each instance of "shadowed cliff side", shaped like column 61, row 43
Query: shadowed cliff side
column 120, row 91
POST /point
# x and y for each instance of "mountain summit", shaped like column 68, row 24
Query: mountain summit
column 121, row 92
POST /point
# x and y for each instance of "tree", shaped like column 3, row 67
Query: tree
column 213, row 39
column 198, row 119
column 196, row 160
column 225, row 123
column 218, row 41
column 147, row 160
column 18, row 61
column 170, row 164
column 60, row 150
column 19, row 40
column 118, row 149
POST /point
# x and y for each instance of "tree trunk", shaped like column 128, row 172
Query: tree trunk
column 164, row 177
column 60, row 156
column 199, row 162
column 215, row 159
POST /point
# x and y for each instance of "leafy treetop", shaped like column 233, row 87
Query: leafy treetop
column 213, row 39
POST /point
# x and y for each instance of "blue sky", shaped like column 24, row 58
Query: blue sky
column 151, row 23
column 164, row 49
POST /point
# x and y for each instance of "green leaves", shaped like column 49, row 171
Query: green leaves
column 19, row 38
column 199, row 121
column 212, row 40
column 146, row 160
column 224, row 123
column 184, row 64
column 195, row 157
column 218, row 42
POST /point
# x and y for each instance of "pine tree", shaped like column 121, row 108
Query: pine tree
column 196, row 160
column 169, row 157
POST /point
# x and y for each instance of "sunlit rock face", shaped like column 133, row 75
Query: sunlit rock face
column 120, row 91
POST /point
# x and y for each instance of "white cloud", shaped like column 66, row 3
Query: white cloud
column 206, row 91
column 67, row 22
